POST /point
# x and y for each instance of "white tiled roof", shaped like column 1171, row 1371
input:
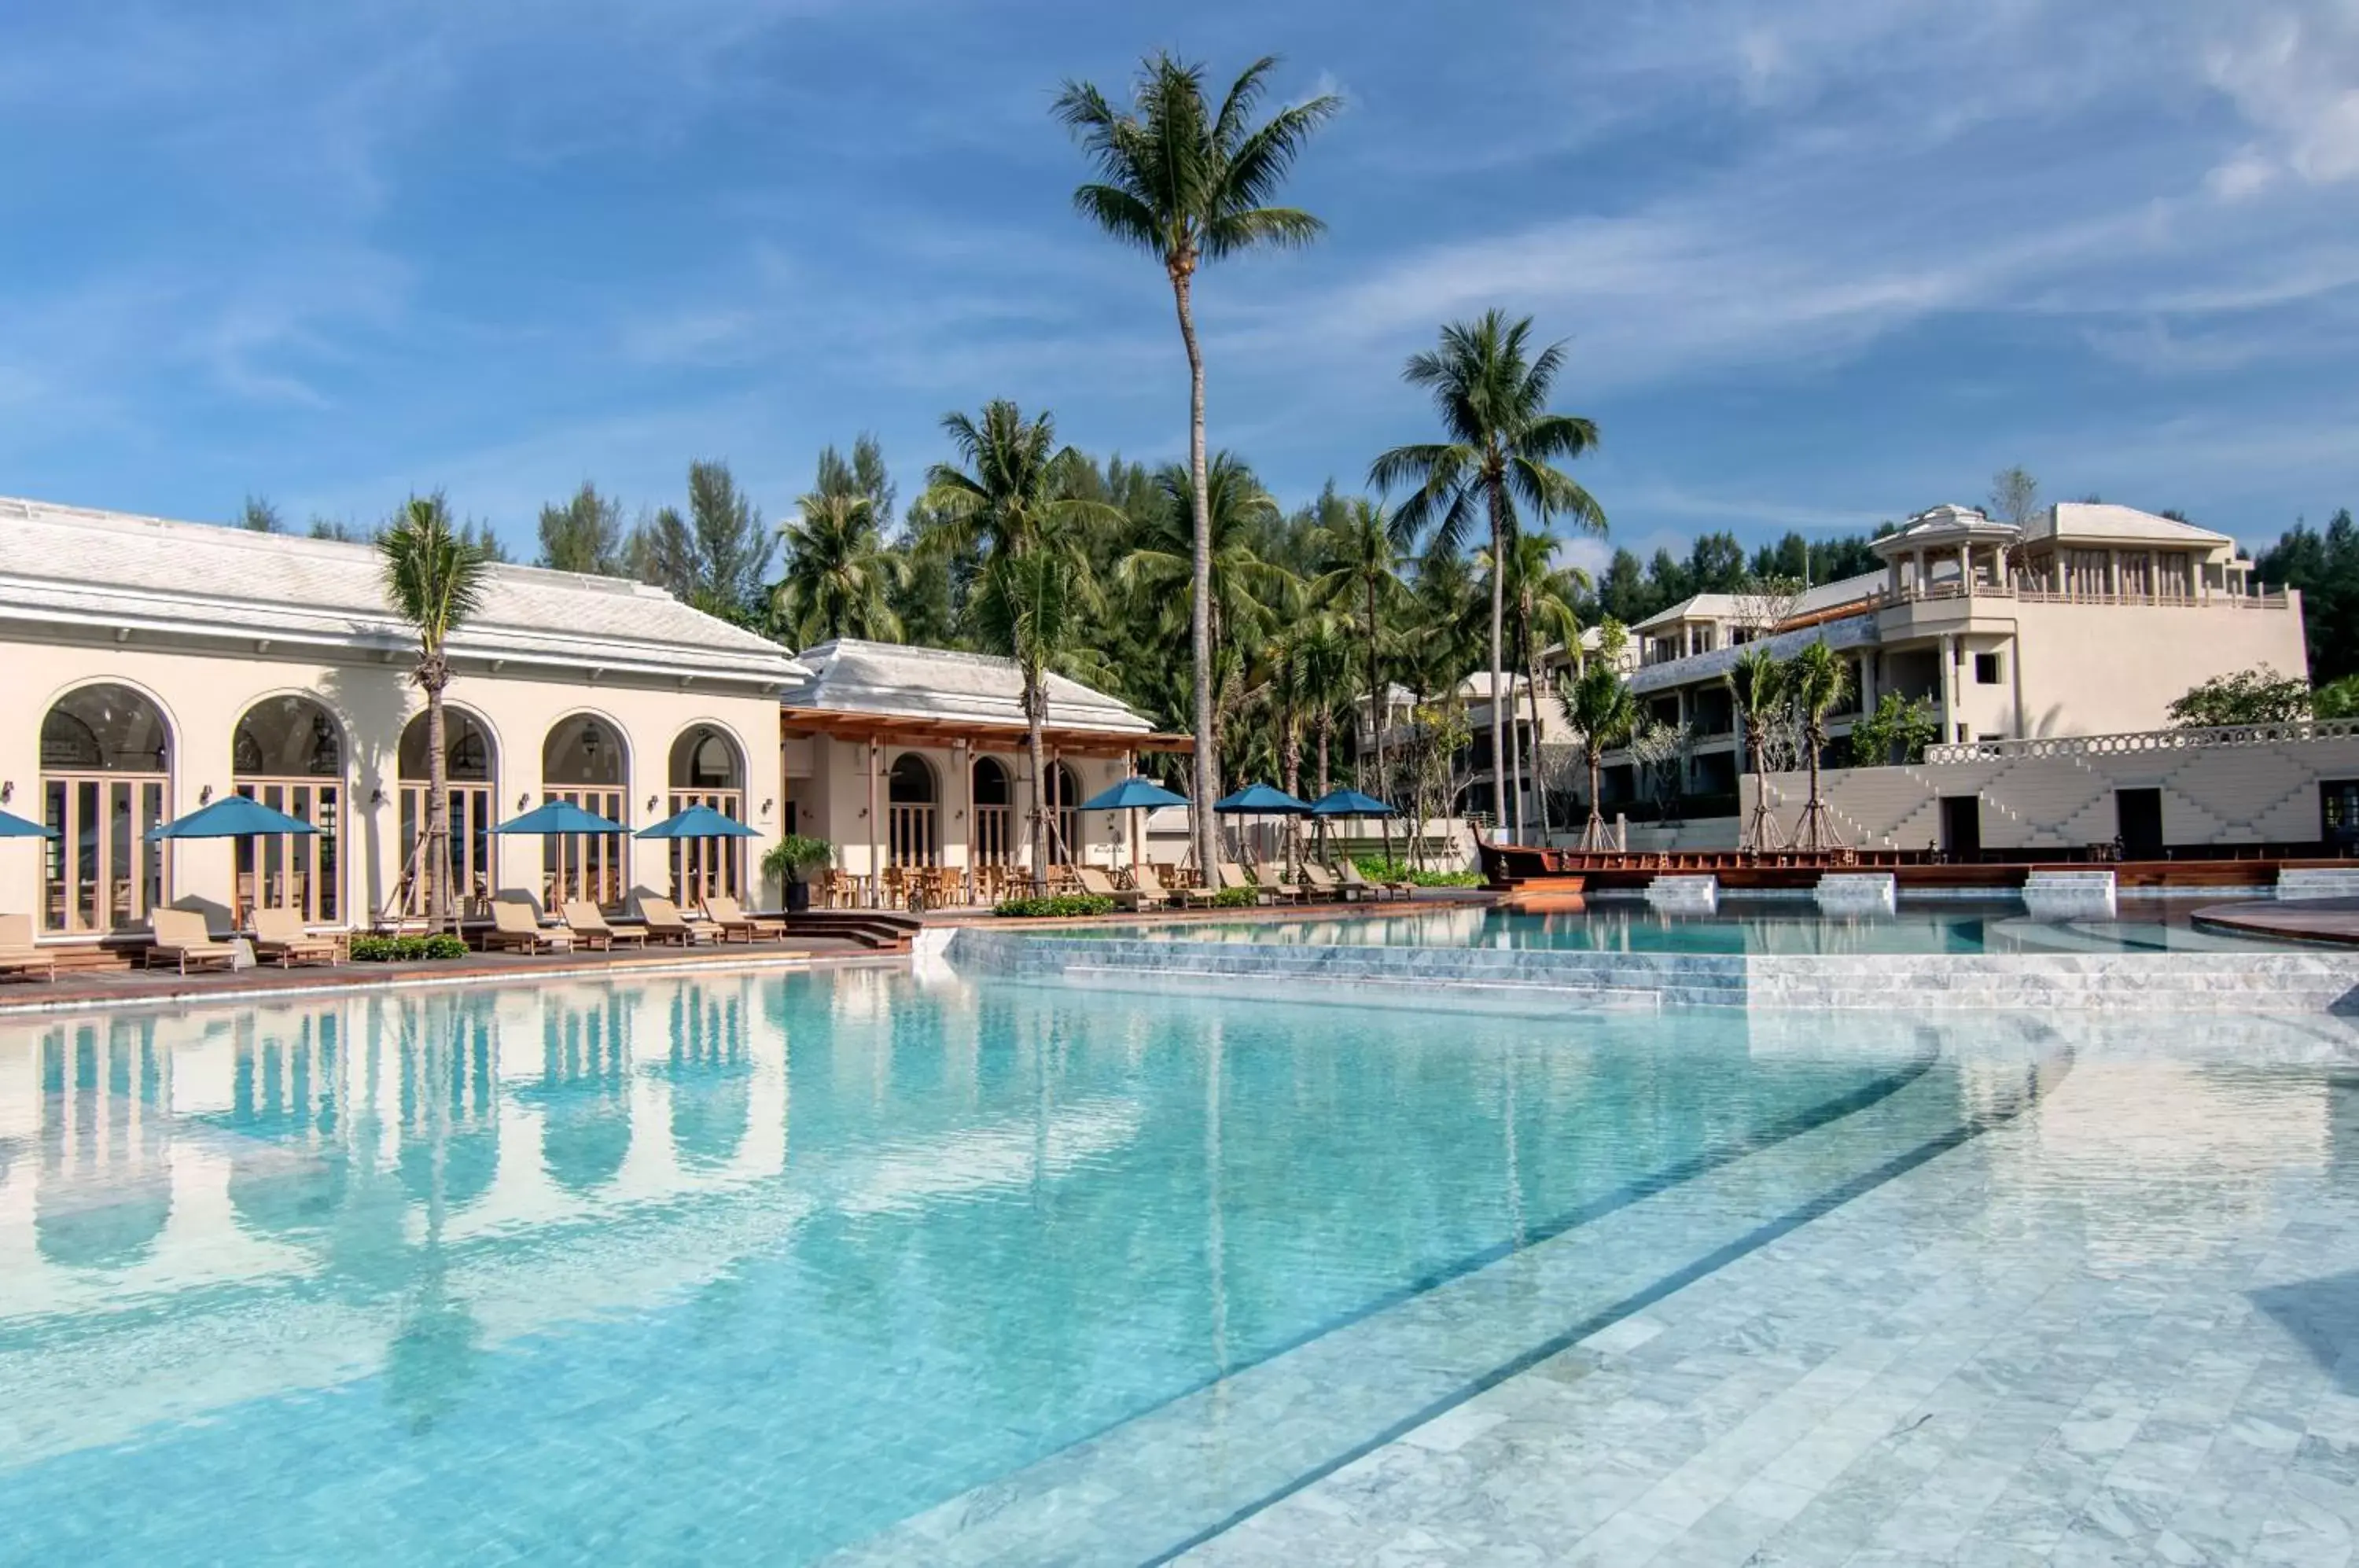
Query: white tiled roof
column 74, row 565
column 1725, row 606
column 2070, row 520
column 938, row 683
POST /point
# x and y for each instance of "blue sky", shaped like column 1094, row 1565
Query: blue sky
column 1819, row 262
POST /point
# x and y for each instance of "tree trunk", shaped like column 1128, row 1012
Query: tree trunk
column 1199, row 614
column 1594, row 836
column 1034, row 706
column 1811, row 811
column 1292, row 759
column 1499, row 812
column 1326, row 733
column 435, row 867
column 1532, row 692
column 1376, row 707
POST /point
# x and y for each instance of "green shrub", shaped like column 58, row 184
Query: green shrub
column 407, row 949
column 1235, row 898
column 1377, row 868
column 1055, row 905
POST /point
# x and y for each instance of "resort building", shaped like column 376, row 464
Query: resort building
column 155, row 667
column 913, row 762
column 2088, row 621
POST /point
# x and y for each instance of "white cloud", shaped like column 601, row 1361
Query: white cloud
column 2293, row 71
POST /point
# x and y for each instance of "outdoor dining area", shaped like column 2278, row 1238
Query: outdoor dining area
column 1275, row 851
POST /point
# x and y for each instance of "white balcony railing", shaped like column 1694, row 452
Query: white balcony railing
column 1917, row 593
column 2294, row 729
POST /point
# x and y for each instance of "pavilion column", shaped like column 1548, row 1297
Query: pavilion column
column 962, row 764
column 876, row 836
column 1966, row 569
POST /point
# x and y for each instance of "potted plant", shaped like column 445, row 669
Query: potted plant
column 792, row 860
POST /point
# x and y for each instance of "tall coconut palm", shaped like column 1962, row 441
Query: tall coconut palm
column 839, row 574
column 1015, row 490
column 1188, row 185
column 1816, row 680
column 1600, row 708
column 1160, row 571
column 1360, row 575
column 1757, row 688
column 434, row 579
column 1491, row 393
column 1038, row 604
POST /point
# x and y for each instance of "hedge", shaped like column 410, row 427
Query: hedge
column 1055, row 905
column 1235, row 898
column 407, row 949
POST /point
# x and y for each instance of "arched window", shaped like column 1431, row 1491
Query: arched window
column 586, row 761
column 106, row 758
column 707, row 770
column 471, row 771
column 288, row 754
column 910, row 837
column 993, row 796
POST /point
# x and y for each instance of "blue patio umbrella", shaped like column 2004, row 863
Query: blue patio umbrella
column 12, row 826
column 1132, row 794
column 698, row 822
column 1350, row 803
column 232, row 816
column 559, row 817
column 1261, row 800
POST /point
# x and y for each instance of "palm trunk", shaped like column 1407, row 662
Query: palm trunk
column 1532, row 696
column 1594, row 836
column 1200, row 615
column 1498, row 637
column 436, row 866
column 1326, row 731
column 1376, row 706
column 1811, row 811
column 1292, row 760
column 1034, row 706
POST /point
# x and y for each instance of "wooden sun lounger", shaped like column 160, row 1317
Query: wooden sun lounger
column 280, row 937
column 590, row 930
column 666, row 924
column 1150, row 882
column 1274, row 881
column 730, row 918
column 1096, row 882
column 180, row 940
column 17, row 953
column 514, row 925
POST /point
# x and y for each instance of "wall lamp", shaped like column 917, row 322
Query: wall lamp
column 7, row 791
column 204, row 795
column 651, row 803
column 524, row 799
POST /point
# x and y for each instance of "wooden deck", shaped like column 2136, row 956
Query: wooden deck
column 1532, row 872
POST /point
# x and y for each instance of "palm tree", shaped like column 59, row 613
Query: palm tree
column 1757, row 688
column 1599, row 708
column 1160, row 571
column 1544, row 613
column 1037, row 603
column 434, row 579
column 1360, row 574
column 1016, row 491
column 1190, row 186
column 1491, row 393
column 840, row 575
column 1816, row 681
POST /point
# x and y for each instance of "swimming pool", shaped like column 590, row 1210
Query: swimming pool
column 1610, row 927
column 751, row 1268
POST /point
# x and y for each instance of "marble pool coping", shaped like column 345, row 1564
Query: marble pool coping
column 1550, row 980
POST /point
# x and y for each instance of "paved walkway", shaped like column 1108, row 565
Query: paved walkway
column 2122, row 1328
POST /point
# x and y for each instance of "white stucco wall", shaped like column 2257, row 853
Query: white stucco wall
column 827, row 779
column 204, row 694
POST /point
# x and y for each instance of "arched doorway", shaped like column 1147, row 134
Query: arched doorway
column 107, row 761
column 910, row 838
column 471, row 771
column 1064, row 798
column 586, row 761
column 707, row 770
column 995, row 794
column 290, row 755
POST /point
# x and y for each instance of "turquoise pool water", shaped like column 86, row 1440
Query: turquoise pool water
column 746, row 1269
column 1629, row 928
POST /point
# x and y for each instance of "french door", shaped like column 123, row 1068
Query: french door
column 99, row 873
column 701, row 868
column 473, row 870
column 596, row 867
column 299, row 871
